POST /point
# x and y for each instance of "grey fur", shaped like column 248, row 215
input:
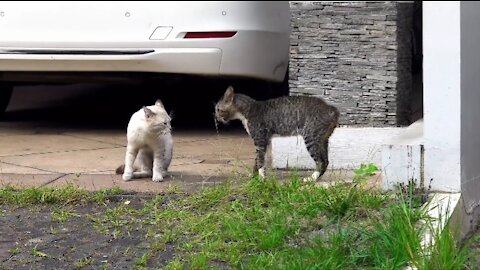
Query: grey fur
column 310, row 117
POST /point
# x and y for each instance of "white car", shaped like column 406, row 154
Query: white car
column 42, row 40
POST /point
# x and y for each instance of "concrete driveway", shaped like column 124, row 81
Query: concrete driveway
column 55, row 135
column 33, row 156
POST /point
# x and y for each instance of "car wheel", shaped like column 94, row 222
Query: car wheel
column 5, row 95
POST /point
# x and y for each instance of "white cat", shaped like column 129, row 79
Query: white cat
column 150, row 144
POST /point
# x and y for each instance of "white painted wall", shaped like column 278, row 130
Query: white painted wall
column 470, row 108
column 348, row 148
column 402, row 157
column 441, row 49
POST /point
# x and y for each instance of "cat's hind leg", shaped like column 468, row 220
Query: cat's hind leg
column 167, row 154
column 319, row 153
column 146, row 162
column 324, row 157
column 261, row 144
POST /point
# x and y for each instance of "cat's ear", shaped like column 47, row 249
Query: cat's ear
column 229, row 95
column 159, row 103
column 148, row 112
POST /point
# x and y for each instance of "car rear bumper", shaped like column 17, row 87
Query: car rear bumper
column 249, row 54
column 258, row 49
column 170, row 60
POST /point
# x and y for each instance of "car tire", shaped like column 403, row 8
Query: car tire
column 5, row 96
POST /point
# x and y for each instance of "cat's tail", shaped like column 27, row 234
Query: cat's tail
column 120, row 169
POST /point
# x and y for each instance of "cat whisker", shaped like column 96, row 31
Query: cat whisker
column 216, row 124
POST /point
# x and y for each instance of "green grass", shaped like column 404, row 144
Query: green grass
column 38, row 253
column 142, row 261
column 447, row 253
column 82, row 263
column 395, row 238
column 48, row 195
column 265, row 224
column 62, row 215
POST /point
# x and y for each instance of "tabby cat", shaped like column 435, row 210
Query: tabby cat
column 310, row 117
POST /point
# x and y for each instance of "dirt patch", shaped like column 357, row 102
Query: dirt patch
column 474, row 246
column 34, row 237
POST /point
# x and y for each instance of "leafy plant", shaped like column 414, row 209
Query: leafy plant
column 365, row 171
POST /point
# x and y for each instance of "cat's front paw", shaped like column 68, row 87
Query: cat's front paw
column 261, row 173
column 312, row 178
column 308, row 179
column 127, row 176
column 157, row 178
